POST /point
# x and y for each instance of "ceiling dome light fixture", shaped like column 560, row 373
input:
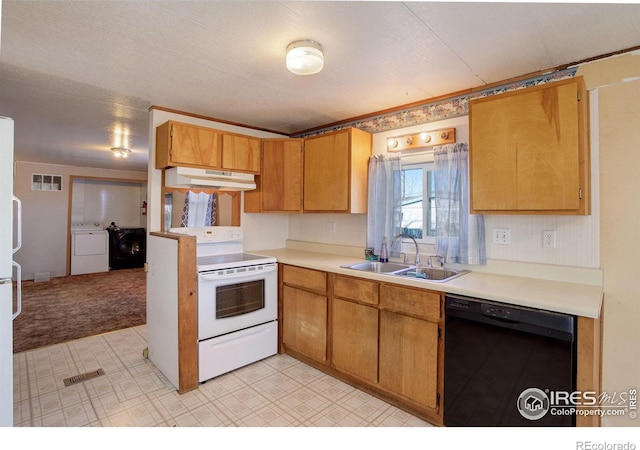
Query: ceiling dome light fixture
column 305, row 57
column 120, row 152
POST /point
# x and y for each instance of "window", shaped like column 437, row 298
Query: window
column 419, row 202
column 41, row 182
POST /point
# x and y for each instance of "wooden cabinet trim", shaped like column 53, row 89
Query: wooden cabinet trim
column 589, row 363
column 187, row 315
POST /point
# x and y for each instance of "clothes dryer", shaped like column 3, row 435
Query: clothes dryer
column 89, row 250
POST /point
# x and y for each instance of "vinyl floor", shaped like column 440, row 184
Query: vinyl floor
column 279, row 391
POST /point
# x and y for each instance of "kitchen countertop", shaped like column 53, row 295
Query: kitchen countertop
column 569, row 298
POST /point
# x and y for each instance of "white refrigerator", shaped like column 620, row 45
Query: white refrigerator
column 10, row 241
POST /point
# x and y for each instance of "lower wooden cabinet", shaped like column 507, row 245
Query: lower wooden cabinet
column 304, row 312
column 381, row 337
column 387, row 338
column 304, row 327
column 355, row 339
column 410, row 345
column 409, row 358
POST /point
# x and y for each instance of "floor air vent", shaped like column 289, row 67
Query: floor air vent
column 41, row 277
column 82, row 377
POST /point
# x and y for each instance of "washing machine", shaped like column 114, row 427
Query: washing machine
column 89, row 248
column 127, row 247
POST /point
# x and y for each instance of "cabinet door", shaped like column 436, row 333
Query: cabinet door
column 409, row 357
column 304, row 317
column 281, row 175
column 180, row 144
column 355, row 339
column 241, row 153
column 326, row 173
column 529, row 150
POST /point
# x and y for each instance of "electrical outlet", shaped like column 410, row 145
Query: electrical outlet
column 502, row 236
column 331, row 227
column 549, row 239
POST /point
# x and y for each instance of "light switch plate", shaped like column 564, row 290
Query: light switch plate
column 502, row 236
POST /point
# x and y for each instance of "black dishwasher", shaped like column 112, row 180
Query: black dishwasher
column 505, row 365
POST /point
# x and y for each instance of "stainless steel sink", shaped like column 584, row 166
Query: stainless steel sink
column 379, row 267
column 432, row 274
column 436, row 275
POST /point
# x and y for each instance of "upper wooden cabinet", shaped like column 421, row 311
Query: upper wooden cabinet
column 279, row 186
column 180, row 144
column 241, row 153
column 335, row 172
column 529, row 151
column 186, row 145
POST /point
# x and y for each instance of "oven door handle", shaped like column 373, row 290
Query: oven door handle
column 217, row 275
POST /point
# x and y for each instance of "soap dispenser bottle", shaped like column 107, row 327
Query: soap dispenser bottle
column 384, row 254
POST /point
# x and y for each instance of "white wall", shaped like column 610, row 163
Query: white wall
column 108, row 201
column 46, row 214
column 616, row 84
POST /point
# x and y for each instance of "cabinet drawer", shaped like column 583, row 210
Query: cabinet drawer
column 305, row 278
column 355, row 289
column 415, row 302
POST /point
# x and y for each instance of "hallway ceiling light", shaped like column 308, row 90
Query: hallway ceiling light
column 305, row 57
column 120, row 152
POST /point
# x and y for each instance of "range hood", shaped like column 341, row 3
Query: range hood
column 185, row 177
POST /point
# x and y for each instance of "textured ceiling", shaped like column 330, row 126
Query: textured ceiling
column 74, row 73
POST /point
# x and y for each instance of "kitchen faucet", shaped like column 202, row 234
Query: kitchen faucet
column 401, row 235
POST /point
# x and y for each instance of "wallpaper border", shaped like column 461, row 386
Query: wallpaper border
column 439, row 110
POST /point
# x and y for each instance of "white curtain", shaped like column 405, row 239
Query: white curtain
column 384, row 201
column 199, row 209
column 459, row 235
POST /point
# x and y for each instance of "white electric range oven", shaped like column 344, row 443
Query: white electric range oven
column 237, row 301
